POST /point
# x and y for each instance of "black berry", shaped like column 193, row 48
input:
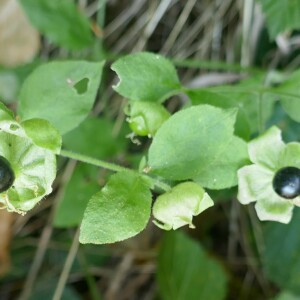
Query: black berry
column 286, row 182
column 7, row 175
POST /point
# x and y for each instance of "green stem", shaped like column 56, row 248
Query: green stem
column 92, row 161
column 111, row 166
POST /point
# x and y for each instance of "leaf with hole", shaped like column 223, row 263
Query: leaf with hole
column 146, row 77
column 61, row 92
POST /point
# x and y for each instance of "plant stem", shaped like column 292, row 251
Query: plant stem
column 92, row 161
column 111, row 166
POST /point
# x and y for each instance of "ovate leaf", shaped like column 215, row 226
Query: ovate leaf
column 198, row 143
column 119, row 211
column 281, row 15
column 146, row 77
column 185, row 271
column 60, row 21
column 49, row 93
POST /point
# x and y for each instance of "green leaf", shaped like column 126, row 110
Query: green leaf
column 94, row 137
column 80, row 188
column 281, row 258
column 119, row 211
column 60, row 21
column 185, row 271
column 177, row 207
column 146, row 77
column 43, row 134
column 198, row 143
column 289, row 95
column 49, row 93
column 281, row 15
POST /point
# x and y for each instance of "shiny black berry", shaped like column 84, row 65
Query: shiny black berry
column 7, row 175
column 286, row 182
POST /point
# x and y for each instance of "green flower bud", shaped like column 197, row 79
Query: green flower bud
column 145, row 118
column 177, row 207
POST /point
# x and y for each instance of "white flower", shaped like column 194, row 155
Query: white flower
column 269, row 154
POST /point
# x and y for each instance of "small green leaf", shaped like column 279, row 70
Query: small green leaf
column 60, row 21
column 198, row 143
column 49, row 93
column 80, row 188
column 281, row 258
column 94, row 137
column 186, row 271
column 119, row 211
column 145, row 118
column 281, row 15
column 146, row 77
column 43, row 134
column 177, row 207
